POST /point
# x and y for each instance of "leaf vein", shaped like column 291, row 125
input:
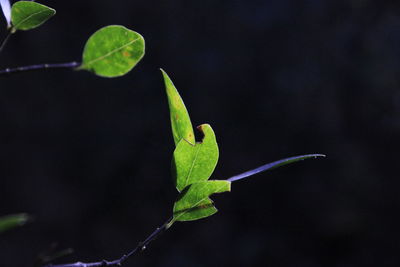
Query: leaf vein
column 112, row 52
column 193, row 163
column 27, row 18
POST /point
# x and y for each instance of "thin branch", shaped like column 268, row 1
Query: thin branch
column 3, row 44
column 142, row 245
column 118, row 262
column 273, row 165
column 69, row 65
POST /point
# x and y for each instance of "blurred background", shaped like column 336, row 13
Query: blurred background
column 89, row 158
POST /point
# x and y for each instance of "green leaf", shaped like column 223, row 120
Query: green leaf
column 112, row 51
column 27, row 15
column 195, row 163
column 180, row 120
column 194, row 203
column 192, row 163
column 11, row 221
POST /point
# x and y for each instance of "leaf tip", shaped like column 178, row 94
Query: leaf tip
column 203, row 126
column 165, row 76
column 15, row 220
column 25, row 218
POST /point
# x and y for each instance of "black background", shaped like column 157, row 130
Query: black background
column 89, row 157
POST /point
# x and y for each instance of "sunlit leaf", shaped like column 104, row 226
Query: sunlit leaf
column 26, row 15
column 112, row 51
column 273, row 165
column 11, row 221
column 195, row 163
column 6, row 7
column 180, row 120
column 194, row 203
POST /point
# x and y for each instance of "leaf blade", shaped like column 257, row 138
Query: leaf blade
column 195, row 163
column 27, row 15
column 112, row 51
column 194, row 203
column 180, row 121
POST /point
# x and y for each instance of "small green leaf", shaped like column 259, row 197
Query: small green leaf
column 10, row 221
column 194, row 203
column 195, row 163
column 27, row 15
column 180, row 120
column 112, row 51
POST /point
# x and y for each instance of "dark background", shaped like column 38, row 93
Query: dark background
column 89, row 157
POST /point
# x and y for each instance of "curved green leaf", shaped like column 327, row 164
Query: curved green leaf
column 112, row 51
column 194, row 203
column 180, row 120
column 27, row 15
column 10, row 221
column 195, row 163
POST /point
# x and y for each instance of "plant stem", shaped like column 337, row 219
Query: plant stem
column 142, row 245
column 68, row 65
column 3, row 44
column 273, row 165
column 118, row 262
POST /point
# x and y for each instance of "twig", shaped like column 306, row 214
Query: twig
column 170, row 221
column 273, row 165
column 68, row 65
column 3, row 44
column 118, row 262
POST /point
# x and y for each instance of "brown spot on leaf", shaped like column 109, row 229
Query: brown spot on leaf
column 126, row 54
column 204, row 206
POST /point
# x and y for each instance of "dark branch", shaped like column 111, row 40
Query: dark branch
column 68, row 65
column 140, row 247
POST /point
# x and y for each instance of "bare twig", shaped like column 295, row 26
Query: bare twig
column 273, row 165
column 118, row 262
column 3, row 44
column 69, row 65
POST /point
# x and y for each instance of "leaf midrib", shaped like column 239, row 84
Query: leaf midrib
column 193, row 163
column 112, row 52
column 30, row 16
